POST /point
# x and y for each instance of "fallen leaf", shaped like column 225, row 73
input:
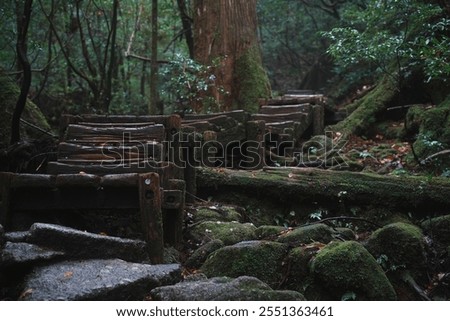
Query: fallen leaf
column 68, row 274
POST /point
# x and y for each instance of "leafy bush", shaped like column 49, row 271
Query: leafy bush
column 188, row 85
column 409, row 33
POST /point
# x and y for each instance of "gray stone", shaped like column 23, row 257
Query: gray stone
column 83, row 245
column 20, row 254
column 2, row 237
column 17, row 237
column 97, row 280
column 201, row 254
column 244, row 288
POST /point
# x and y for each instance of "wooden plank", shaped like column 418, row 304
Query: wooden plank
column 5, row 209
column 144, row 150
column 120, row 180
column 116, row 134
column 64, row 168
column 285, row 109
column 151, row 215
column 33, row 181
column 77, row 180
column 118, row 124
column 292, row 100
column 298, row 116
column 174, row 217
column 239, row 115
column 203, row 125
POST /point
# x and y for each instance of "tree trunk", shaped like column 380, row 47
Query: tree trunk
column 226, row 31
column 21, row 47
column 187, row 26
column 418, row 195
column 154, row 58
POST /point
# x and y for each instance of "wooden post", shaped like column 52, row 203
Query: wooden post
column 318, row 120
column 5, row 190
column 209, row 148
column 151, row 215
column 253, row 148
column 173, row 214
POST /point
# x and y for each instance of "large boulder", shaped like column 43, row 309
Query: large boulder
column 201, row 254
column 243, row 288
column 269, row 231
column 228, row 232
column 97, row 280
column 260, row 259
column 216, row 213
column 347, row 268
column 438, row 228
column 24, row 254
column 84, row 245
column 308, row 234
column 398, row 245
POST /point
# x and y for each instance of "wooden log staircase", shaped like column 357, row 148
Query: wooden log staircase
column 147, row 163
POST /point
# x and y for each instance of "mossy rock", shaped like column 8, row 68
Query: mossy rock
column 438, row 228
column 268, row 231
column 201, row 254
column 299, row 277
column 345, row 233
column 243, row 288
column 260, row 259
column 228, row 232
column 216, row 213
column 9, row 93
column 401, row 244
column 308, row 234
column 347, row 267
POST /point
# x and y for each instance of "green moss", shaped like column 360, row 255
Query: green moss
column 9, row 93
column 344, row 267
column 251, row 79
column 402, row 244
column 228, row 232
column 308, row 234
column 299, row 277
column 260, row 259
column 223, row 213
column 364, row 112
column 268, row 231
column 438, row 228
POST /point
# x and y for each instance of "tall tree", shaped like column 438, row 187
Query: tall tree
column 225, row 35
column 154, row 61
column 23, row 21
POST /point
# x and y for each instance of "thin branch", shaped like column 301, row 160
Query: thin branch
column 146, row 59
column 137, row 26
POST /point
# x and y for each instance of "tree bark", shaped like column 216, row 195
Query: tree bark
column 154, row 62
column 225, row 34
column 420, row 195
column 187, row 26
column 21, row 47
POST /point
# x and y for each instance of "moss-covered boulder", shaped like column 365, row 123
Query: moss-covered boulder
column 400, row 244
column 9, row 92
column 299, row 277
column 268, row 231
column 438, row 228
column 308, row 234
column 260, row 259
column 228, row 232
column 348, row 268
column 201, row 254
column 217, row 213
column 345, row 233
column 223, row 289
